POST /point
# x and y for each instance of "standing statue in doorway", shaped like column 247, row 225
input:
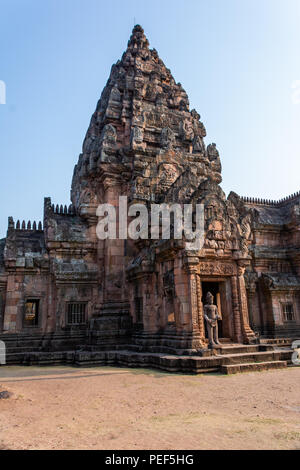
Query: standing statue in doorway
column 212, row 316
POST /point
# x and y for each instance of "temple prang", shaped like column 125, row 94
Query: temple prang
column 68, row 297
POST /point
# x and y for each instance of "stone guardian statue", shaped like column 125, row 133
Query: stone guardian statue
column 212, row 316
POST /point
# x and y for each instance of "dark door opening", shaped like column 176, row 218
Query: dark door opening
column 31, row 316
column 214, row 289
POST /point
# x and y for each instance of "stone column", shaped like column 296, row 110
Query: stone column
column 246, row 330
column 149, row 319
column 194, row 299
column 200, row 308
column 191, row 265
column 236, row 311
column 181, row 295
column 50, row 310
column 250, row 297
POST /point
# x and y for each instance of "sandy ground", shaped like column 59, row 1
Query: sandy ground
column 118, row 408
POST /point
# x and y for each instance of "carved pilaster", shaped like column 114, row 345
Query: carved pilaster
column 200, row 309
column 194, row 300
column 191, row 266
column 250, row 296
column 246, row 330
column 236, row 310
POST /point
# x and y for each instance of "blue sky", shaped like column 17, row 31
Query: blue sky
column 237, row 60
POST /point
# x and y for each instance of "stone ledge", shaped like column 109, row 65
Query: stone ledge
column 252, row 367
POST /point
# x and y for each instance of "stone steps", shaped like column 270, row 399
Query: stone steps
column 238, row 349
column 251, row 367
column 228, row 362
column 278, row 342
column 251, row 357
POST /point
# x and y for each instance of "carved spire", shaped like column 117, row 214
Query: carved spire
column 137, row 40
column 142, row 113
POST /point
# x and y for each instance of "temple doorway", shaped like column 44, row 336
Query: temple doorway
column 222, row 298
column 214, row 289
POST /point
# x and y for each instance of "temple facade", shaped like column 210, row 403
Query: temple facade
column 64, row 289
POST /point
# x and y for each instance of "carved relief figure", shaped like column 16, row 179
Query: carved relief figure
column 187, row 130
column 198, row 145
column 88, row 197
column 137, row 135
column 167, row 138
column 109, row 135
column 212, row 152
column 244, row 229
column 168, row 173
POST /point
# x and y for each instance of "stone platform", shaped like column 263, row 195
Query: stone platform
column 228, row 359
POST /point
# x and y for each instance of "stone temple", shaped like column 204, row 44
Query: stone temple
column 68, row 297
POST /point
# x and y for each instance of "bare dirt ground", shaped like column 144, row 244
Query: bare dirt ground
column 118, row 408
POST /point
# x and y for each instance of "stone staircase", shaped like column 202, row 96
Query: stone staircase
column 230, row 358
column 245, row 358
column 227, row 360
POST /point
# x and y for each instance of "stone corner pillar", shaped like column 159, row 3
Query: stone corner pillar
column 236, row 311
column 195, row 293
column 250, row 296
column 246, row 330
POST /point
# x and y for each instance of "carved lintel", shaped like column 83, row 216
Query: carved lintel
column 216, row 268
